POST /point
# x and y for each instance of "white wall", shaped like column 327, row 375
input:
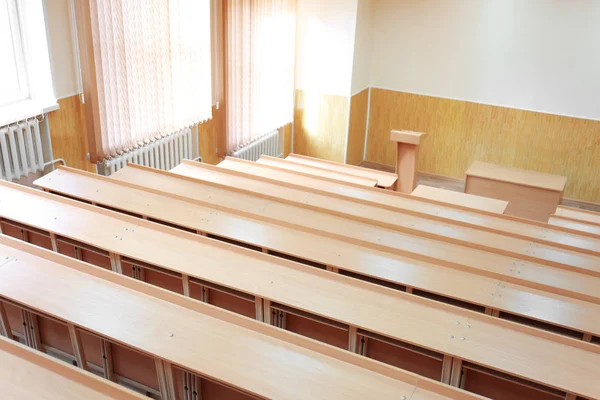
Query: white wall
column 362, row 46
column 325, row 45
column 61, row 47
column 540, row 55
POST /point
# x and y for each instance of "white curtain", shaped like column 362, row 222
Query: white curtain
column 261, row 36
column 153, row 68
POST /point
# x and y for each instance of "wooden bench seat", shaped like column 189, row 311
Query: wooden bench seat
column 372, row 310
column 188, row 214
column 463, row 199
column 184, row 334
column 26, row 374
column 525, row 229
column 384, row 179
column 381, row 225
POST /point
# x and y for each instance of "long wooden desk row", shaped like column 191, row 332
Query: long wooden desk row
column 584, row 221
column 268, row 169
column 497, row 266
column 384, row 179
column 429, row 337
column 26, row 374
column 159, row 337
column 297, row 201
column 428, row 279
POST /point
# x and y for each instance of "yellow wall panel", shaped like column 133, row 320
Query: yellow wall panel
column 359, row 104
column 68, row 133
column 320, row 125
column 287, row 139
column 211, row 136
column 460, row 132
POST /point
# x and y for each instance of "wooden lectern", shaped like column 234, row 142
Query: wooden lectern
column 406, row 158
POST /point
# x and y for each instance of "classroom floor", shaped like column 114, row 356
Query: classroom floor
column 458, row 185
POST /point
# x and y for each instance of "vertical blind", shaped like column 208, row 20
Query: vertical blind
column 260, row 53
column 153, row 68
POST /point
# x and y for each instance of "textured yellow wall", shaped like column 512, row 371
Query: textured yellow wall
column 68, row 133
column 320, row 125
column 460, row 132
column 359, row 104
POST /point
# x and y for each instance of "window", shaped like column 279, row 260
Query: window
column 261, row 40
column 146, row 69
column 26, row 86
column 13, row 86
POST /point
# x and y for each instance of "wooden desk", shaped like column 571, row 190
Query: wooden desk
column 384, row 179
column 187, row 333
column 306, row 170
column 530, row 194
column 424, row 323
column 463, row 199
column 578, row 214
column 575, row 225
column 172, row 209
column 212, row 343
column 377, row 225
column 27, row 374
column 227, row 199
column 482, row 220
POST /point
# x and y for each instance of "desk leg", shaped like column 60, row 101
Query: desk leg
column 406, row 167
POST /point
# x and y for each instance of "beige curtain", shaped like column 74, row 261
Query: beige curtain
column 260, row 52
column 153, row 68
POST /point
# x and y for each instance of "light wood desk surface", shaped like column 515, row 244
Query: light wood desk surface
column 214, row 343
column 453, row 283
column 384, row 179
column 584, row 227
column 578, row 214
column 535, row 355
column 521, row 272
column 28, row 374
column 463, row 199
column 525, row 229
column 311, row 170
column 382, row 223
column 519, row 176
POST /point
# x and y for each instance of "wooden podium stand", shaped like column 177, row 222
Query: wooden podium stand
column 406, row 158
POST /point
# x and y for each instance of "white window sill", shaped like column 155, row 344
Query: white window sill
column 25, row 109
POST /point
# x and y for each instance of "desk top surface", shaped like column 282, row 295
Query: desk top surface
column 384, row 179
column 554, row 361
column 373, row 223
column 589, row 217
column 310, row 170
column 481, row 262
column 246, row 357
column 28, row 374
column 518, row 176
column 406, row 203
column 168, row 207
column 464, row 199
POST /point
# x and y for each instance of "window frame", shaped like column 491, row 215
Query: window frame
column 16, row 29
